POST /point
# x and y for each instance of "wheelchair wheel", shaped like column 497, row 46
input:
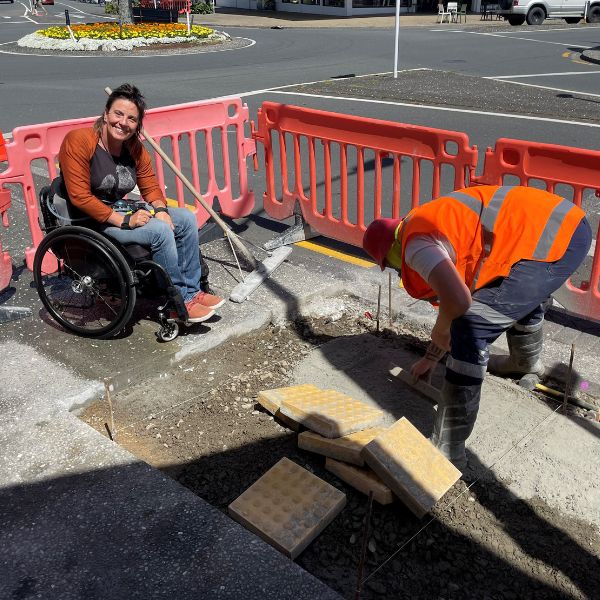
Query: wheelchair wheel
column 84, row 282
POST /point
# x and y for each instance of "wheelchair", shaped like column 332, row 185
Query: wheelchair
column 89, row 283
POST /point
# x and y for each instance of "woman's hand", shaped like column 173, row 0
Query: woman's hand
column 139, row 219
column 164, row 216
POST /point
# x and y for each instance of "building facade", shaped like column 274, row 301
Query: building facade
column 334, row 8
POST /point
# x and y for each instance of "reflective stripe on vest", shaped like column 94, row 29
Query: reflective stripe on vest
column 552, row 226
column 488, row 215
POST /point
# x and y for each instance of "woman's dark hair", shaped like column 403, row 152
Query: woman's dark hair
column 127, row 91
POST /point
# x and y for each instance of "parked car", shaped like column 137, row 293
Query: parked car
column 535, row 12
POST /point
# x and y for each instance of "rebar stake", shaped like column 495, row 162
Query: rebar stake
column 111, row 430
column 568, row 384
column 378, row 307
column 363, row 550
column 390, row 297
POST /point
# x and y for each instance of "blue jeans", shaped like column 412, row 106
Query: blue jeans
column 520, row 300
column 175, row 250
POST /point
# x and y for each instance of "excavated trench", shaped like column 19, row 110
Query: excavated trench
column 201, row 426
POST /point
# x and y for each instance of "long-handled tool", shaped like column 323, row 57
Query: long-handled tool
column 261, row 270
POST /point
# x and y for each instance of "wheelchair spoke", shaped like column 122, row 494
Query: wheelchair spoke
column 86, row 286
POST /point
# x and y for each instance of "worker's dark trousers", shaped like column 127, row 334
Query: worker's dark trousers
column 518, row 301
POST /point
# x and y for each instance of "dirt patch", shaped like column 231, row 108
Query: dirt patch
column 201, row 426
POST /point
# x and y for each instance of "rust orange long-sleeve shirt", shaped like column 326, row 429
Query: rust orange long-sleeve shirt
column 74, row 157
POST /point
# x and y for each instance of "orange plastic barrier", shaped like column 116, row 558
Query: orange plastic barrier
column 332, row 146
column 210, row 135
column 180, row 5
column 5, row 260
column 562, row 170
column 3, row 155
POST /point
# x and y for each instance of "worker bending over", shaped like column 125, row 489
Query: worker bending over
column 490, row 257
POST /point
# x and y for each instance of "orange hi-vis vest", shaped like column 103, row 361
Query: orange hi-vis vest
column 490, row 228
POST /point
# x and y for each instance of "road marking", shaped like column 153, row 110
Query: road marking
column 541, row 74
column 441, row 108
column 510, row 37
column 545, row 87
column 336, row 254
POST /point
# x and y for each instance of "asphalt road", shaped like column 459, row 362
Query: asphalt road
column 537, row 66
column 46, row 88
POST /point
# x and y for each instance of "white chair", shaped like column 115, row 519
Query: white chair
column 443, row 14
column 452, row 8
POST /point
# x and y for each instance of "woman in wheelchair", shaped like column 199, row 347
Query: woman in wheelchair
column 102, row 164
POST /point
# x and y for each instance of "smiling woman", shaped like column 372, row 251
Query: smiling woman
column 111, row 36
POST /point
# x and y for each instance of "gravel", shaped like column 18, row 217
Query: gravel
column 481, row 541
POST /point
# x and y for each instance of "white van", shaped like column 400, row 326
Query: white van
column 534, row 12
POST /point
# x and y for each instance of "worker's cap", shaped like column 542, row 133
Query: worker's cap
column 379, row 237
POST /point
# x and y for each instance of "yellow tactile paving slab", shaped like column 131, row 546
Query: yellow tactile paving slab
column 331, row 414
column 287, row 422
column 288, row 507
column 410, row 466
column 364, row 480
column 271, row 399
column 347, row 448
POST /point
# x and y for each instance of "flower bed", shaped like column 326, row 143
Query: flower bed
column 110, row 37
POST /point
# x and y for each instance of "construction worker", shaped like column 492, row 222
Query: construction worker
column 489, row 257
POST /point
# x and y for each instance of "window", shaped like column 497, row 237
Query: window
column 375, row 3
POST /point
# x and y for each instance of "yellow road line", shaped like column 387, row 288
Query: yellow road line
column 568, row 54
column 174, row 204
column 336, row 254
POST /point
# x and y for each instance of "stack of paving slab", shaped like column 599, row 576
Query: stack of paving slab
column 289, row 506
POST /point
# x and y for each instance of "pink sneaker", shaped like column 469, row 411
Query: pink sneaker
column 196, row 312
column 208, row 300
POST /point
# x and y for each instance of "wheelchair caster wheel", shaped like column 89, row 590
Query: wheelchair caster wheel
column 168, row 332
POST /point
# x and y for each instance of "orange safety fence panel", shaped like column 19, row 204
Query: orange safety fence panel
column 329, row 163
column 179, row 5
column 573, row 173
column 5, row 259
column 3, row 155
column 206, row 141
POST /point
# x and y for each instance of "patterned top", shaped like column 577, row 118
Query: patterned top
column 111, row 177
column 93, row 180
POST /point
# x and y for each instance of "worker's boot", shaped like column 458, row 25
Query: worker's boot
column 525, row 350
column 454, row 421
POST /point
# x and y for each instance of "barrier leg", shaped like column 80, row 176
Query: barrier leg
column 298, row 232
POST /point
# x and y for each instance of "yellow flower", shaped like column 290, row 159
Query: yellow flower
column 100, row 31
